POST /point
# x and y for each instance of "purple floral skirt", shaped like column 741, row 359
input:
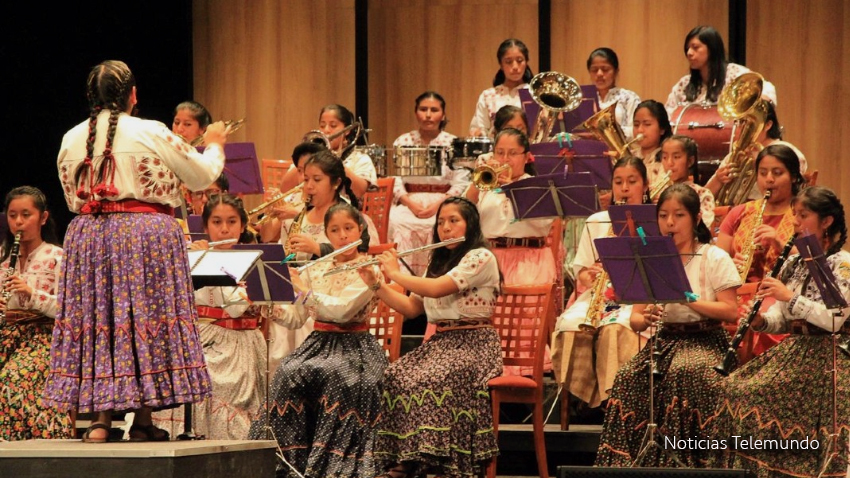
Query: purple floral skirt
column 125, row 335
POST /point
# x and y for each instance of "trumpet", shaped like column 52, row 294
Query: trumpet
column 258, row 221
column 486, row 177
column 234, row 125
column 371, row 262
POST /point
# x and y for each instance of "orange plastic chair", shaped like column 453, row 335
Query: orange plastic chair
column 273, row 171
column 385, row 324
column 520, row 319
column 377, row 203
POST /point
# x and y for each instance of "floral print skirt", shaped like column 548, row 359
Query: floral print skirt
column 126, row 333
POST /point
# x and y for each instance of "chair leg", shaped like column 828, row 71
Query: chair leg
column 565, row 408
column 494, row 398
column 539, row 440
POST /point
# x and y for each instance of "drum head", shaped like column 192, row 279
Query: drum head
column 705, row 126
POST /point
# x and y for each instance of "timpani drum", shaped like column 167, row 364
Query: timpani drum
column 379, row 157
column 418, row 161
column 465, row 151
column 713, row 136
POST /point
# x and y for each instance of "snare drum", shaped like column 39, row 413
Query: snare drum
column 418, row 161
column 379, row 157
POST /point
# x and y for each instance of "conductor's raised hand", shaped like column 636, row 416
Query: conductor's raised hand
column 216, row 133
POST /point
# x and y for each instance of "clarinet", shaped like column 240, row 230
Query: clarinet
column 15, row 251
column 731, row 353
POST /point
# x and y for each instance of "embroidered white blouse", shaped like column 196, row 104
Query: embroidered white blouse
column 150, row 161
column 42, row 272
column 477, row 280
column 710, row 270
column 489, row 103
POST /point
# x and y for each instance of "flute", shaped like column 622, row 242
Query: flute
column 371, row 262
column 329, row 256
column 731, row 353
column 220, row 243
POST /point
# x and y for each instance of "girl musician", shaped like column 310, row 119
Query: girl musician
column 324, row 181
column 784, row 393
column 652, row 122
column 292, row 204
column 604, row 67
column 583, row 363
column 421, row 428
column 770, row 134
column 29, row 305
column 326, row 395
column 710, row 72
column 141, row 349
column 234, row 347
column 679, row 158
column 520, row 246
column 359, row 168
column 190, row 123
column 514, row 73
column 688, row 343
column 416, row 198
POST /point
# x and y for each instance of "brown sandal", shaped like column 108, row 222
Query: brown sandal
column 151, row 433
column 87, row 438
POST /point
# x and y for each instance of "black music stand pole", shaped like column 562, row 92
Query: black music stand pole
column 646, row 270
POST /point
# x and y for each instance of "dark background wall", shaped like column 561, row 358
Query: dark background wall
column 46, row 54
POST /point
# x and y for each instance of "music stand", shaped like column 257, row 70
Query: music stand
column 554, row 195
column 242, row 168
column 579, row 156
column 813, row 256
column 646, row 270
column 268, row 283
column 626, row 217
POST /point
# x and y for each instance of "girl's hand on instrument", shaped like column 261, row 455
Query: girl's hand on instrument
column 199, row 245
column 17, row 285
column 772, row 287
column 389, row 263
column 653, row 314
column 285, row 211
column 304, row 243
column 367, row 275
column 723, row 174
column 756, row 322
column 738, row 259
column 765, row 236
column 587, row 276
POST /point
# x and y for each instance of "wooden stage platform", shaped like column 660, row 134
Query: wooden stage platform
column 172, row 459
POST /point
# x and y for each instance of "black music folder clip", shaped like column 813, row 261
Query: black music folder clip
column 554, row 195
column 644, row 270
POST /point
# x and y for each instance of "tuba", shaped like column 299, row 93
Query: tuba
column 603, row 125
column 555, row 93
column 741, row 102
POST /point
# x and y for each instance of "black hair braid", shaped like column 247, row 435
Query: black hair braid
column 346, row 184
column 840, row 226
column 80, row 176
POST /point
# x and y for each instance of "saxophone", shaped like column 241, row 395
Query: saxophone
column 749, row 249
column 9, row 272
column 597, row 301
column 295, row 228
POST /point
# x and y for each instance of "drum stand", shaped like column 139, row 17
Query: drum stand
column 188, row 434
column 649, row 439
column 829, row 449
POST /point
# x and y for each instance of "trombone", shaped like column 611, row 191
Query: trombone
column 259, row 221
column 371, row 262
column 316, row 136
column 234, row 125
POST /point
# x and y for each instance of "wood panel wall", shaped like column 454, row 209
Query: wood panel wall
column 276, row 63
column 804, row 48
column 448, row 46
column 648, row 37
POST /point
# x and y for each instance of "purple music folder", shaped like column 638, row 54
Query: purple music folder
column 195, row 223
column 571, row 119
column 644, row 270
column 585, row 156
column 268, row 282
column 643, row 215
column 812, row 254
column 242, row 168
column 553, row 195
